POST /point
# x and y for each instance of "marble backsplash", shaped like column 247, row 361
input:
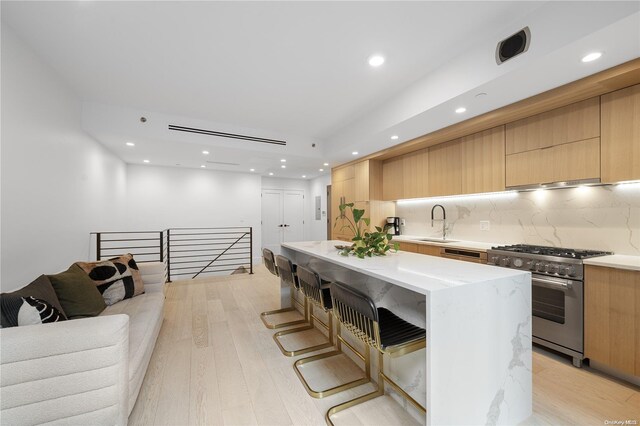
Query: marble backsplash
column 591, row 217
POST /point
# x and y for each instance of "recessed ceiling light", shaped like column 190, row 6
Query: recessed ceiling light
column 394, row 137
column 376, row 60
column 283, row 161
column 131, row 144
column 325, row 164
column 270, row 173
column 283, row 166
column 252, row 170
column 461, row 110
column 321, row 170
column 591, row 56
column 205, row 152
column 354, row 153
column 304, row 176
column 203, row 166
column 145, row 161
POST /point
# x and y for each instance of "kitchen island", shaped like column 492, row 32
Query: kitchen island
column 476, row 368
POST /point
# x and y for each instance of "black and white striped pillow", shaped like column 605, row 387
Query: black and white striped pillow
column 29, row 311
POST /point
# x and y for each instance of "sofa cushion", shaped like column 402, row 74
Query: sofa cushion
column 117, row 278
column 78, row 295
column 145, row 319
column 40, row 289
column 28, row 310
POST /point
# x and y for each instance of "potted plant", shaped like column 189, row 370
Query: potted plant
column 365, row 243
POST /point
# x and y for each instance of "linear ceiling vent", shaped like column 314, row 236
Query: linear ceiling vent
column 222, row 163
column 514, row 45
column 226, row 135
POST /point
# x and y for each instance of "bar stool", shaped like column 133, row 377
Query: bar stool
column 380, row 329
column 282, row 267
column 270, row 261
column 319, row 295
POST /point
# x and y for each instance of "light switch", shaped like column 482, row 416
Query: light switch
column 485, row 225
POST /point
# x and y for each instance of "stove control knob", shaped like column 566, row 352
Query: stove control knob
column 562, row 270
column 541, row 267
column 506, row 261
column 531, row 265
column 552, row 269
column 494, row 260
column 517, row 262
column 571, row 270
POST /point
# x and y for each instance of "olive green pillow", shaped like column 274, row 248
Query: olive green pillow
column 77, row 293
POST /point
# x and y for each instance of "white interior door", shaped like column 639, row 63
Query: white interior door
column 282, row 217
column 293, row 214
column 272, row 220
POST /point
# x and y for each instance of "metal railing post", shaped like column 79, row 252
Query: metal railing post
column 98, row 248
column 251, row 249
column 161, row 246
column 168, row 255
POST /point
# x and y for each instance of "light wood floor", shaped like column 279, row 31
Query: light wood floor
column 215, row 363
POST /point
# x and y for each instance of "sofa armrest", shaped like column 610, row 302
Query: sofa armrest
column 153, row 276
column 74, row 371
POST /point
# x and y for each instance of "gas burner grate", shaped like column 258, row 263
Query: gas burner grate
column 552, row 251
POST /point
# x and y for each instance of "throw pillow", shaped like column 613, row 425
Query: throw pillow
column 78, row 295
column 116, row 279
column 40, row 289
column 28, row 310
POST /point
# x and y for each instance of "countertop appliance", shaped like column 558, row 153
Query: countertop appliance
column 557, row 293
column 395, row 225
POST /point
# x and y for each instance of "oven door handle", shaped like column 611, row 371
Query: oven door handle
column 560, row 285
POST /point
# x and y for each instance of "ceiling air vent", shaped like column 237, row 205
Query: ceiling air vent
column 512, row 46
column 226, row 135
column 222, row 163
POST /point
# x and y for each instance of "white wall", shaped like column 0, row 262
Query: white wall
column 600, row 218
column 167, row 197
column 318, row 187
column 58, row 183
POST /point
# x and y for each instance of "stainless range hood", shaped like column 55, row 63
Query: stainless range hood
column 556, row 185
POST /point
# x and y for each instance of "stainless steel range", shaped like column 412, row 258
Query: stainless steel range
column 557, row 294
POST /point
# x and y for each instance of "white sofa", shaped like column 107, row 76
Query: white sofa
column 85, row 371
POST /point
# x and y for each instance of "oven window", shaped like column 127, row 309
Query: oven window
column 548, row 304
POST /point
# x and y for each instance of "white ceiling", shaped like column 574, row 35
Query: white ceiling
column 294, row 70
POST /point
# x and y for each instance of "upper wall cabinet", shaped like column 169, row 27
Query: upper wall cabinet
column 559, row 145
column 571, row 123
column 483, row 161
column 393, row 179
column 415, row 174
column 445, row 174
column 620, row 140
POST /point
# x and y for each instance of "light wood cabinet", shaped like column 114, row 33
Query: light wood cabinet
column 445, row 174
column 571, row 123
column 429, row 250
column 361, row 184
column 411, row 247
column 567, row 162
column 483, row 165
column 612, row 318
column 415, row 174
column 393, row 179
column 620, row 139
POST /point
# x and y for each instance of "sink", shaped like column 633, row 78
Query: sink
column 436, row 240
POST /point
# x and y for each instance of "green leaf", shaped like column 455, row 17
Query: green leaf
column 366, row 220
column 357, row 215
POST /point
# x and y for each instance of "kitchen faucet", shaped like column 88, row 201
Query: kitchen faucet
column 444, row 220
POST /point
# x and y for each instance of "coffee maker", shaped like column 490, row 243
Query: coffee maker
column 394, row 229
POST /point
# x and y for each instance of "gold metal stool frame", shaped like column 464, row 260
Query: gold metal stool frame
column 368, row 331
column 314, row 294
column 269, row 262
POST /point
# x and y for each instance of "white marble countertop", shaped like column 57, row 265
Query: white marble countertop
column 619, row 261
column 416, row 272
column 470, row 245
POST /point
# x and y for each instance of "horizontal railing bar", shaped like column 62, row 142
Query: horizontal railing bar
column 200, row 255
column 205, row 244
column 210, row 233
column 131, row 239
column 199, row 268
column 198, row 250
column 202, row 261
column 139, row 254
column 222, row 227
column 127, row 247
column 207, row 239
column 127, row 232
column 206, row 272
